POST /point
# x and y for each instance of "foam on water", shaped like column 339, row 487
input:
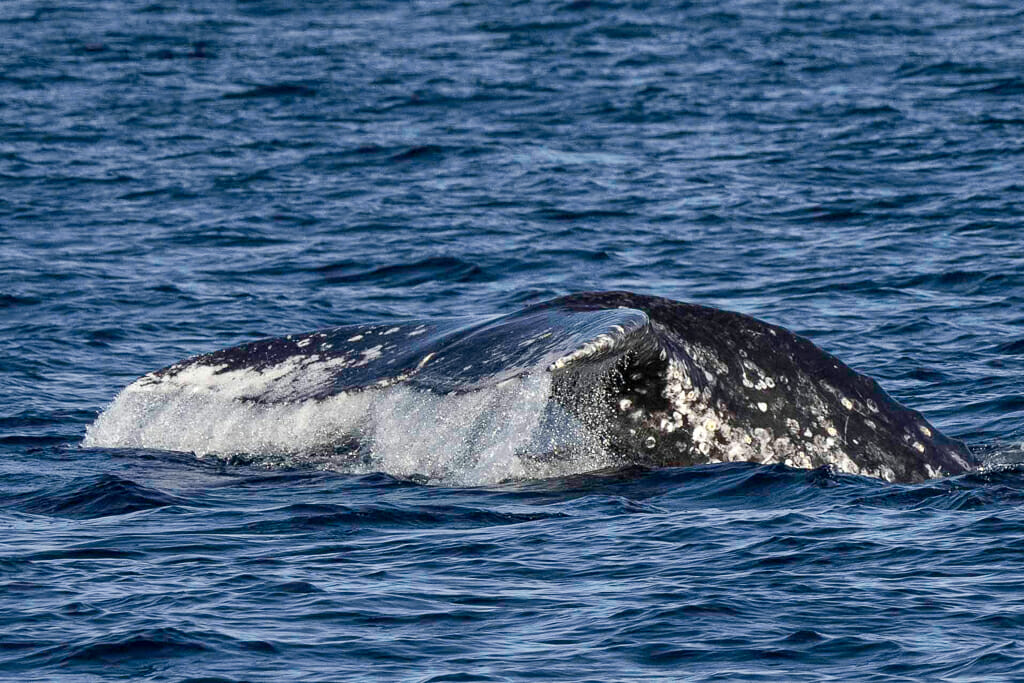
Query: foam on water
column 481, row 437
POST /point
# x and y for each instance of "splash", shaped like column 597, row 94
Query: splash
column 500, row 433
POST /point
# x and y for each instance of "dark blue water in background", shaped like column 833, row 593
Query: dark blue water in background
column 177, row 177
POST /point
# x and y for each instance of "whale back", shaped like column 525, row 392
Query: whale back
column 650, row 380
column 455, row 355
column 727, row 387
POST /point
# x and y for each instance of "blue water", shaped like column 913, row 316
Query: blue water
column 176, row 177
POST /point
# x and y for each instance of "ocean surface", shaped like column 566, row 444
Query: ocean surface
column 181, row 176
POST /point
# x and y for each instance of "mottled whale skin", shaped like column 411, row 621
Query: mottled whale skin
column 665, row 383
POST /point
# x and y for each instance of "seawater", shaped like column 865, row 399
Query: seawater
column 176, row 177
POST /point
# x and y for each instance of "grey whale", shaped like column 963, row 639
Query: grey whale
column 662, row 383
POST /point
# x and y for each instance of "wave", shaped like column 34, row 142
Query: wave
column 98, row 496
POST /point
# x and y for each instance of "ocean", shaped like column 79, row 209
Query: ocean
column 178, row 177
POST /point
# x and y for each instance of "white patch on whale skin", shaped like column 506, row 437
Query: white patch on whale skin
column 601, row 344
column 546, row 334
column 761, row 381
column 294, row 375
column 708, row 359
column 369, row 355
column 732, row 441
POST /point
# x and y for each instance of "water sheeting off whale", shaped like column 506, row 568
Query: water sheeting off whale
column 577, row 383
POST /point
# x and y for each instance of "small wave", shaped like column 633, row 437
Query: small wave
column 934, row 497
column 1005, row 86
column 86, row 552
column 390, row 515
column 306, row 519
column 940, row 68
column 581, row 215
column 990, row 120
column 160, row 644
column 173, row 192
column 1015, row 347
column 276, row 90
column 433, row 269
column 417, row 153
column 140, row 649
column 992, row 486
column 99, row 496
column 13, row 300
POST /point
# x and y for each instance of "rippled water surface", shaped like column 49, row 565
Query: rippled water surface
column 176, row 177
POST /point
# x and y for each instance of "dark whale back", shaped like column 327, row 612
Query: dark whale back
column 653, row 381
column 768, row 395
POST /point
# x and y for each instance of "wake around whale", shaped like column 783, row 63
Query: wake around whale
column 575, row 384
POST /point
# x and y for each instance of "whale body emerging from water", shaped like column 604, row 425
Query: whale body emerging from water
column 639, row 379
